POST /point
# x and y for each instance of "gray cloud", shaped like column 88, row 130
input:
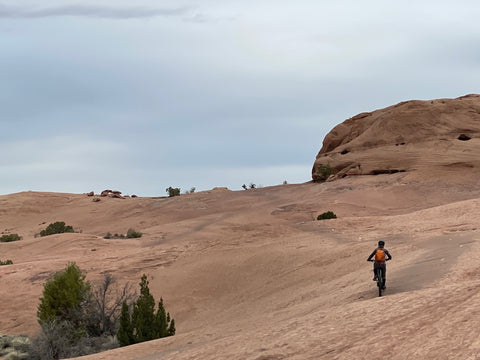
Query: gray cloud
column 108, row 12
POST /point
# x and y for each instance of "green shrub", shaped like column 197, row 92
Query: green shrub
column 63, row 298
column 56, row 228
column 172, row 191
column 323, row 172
column 144, row 323
column 78, row 319
column 133, row 234
column 6, row 262
column 10, row 237
column 327, row 215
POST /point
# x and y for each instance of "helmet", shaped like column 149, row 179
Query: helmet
column 381, row 243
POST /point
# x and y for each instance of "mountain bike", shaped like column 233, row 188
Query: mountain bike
column 380, row 279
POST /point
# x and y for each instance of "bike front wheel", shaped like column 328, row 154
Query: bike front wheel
column 379, row 281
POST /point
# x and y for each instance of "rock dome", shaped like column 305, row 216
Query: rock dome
column 410, row 136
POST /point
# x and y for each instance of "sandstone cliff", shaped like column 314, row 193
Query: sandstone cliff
column 439, row 134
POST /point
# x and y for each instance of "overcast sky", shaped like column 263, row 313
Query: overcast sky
column 140, row 95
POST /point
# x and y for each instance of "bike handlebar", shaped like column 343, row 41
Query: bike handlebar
column 374, row 260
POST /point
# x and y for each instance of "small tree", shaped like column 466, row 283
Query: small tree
column 172, row 191
column 125, row 331
column 143, row 319
column 64, row 297
column 165, row 325
column 56, row 228
column 106, row 306
column 144, row 324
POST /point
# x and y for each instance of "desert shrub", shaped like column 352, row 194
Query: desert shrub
column 172, row 191
column 144, row 324
column 10, row 238
column 5, row 345
column 58, row 227
column 6, row 262
column 323, row 172
column 327, row 215
column 191, row 191
column 64, row 297
column 56, row 340
column 76, row 318
column 133, row 234
column 14, row 347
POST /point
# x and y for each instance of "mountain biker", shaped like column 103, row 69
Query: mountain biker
column 381, row 256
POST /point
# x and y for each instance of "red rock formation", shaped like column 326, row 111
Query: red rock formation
column 412, row 135
column 105, row 192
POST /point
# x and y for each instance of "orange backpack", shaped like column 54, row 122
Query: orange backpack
column 380, row 255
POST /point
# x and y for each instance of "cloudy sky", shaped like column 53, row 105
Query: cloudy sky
column 140, row 95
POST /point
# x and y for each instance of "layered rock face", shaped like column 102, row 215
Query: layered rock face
column 409, row 136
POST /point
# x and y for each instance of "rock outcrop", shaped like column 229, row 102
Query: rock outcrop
column 409, row 136
column 112, row 193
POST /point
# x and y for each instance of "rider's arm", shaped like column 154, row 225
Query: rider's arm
column 372, row 255
column 389, row 257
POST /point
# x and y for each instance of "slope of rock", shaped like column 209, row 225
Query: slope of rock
column 253, row 275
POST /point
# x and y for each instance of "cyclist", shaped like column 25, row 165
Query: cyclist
column 381, row 256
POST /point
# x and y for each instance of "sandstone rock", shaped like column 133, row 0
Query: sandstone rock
column 91, row 193
column 409, row 136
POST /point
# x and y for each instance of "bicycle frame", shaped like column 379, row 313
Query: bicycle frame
column 380, row 284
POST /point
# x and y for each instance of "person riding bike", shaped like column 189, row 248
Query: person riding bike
column 381, row 256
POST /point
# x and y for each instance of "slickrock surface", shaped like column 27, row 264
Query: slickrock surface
column 252, row 275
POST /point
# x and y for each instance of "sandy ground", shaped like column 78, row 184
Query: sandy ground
column 252, row 275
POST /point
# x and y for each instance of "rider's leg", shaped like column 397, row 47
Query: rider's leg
column 384, row 275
